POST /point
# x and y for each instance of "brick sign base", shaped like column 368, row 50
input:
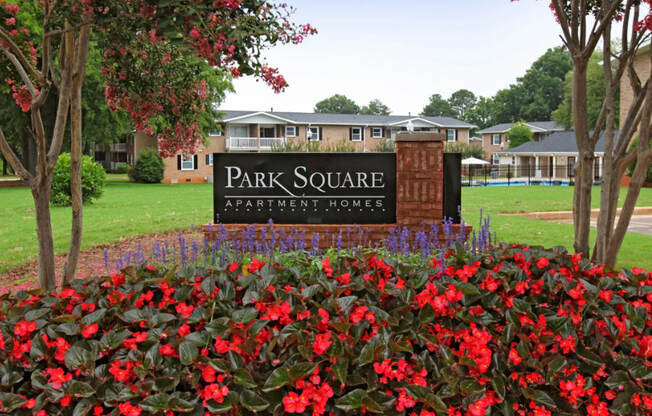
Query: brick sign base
column 419, row 201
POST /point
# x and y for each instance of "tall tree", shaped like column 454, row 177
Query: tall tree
column 583, row 25
column 147, row 46
column 482, row 113
column 337, row 104
column 462, row 101
column 375, row 107
column 595, row 95
column 438, row 107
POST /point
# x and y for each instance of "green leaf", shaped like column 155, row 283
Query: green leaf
column 165, row 383
column 346, row 303
column 156, row 402
column 180, row 405
column 301, row 370
column 80, row 389
column 367, row 353
column 617, row 380
column 114, row 339
column 342, row 369
column 82, row 407
column 252, row 401
column 11, row 401
column 590, row 357
column 77, row 357
column 242, row 377
column 467, row 288
column 187, row 352
column 153, row 357
column 218, row 408
column 93, row 317
column 245, row 315
column 277, row 379
column 352, row 400
column 499, row 386
column 426, row 314
column 371, row 406
column 36, row 314
column 539, row 397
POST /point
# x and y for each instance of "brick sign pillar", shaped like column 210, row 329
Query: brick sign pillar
column 419, row 178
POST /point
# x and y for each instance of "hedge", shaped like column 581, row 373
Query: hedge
column 516, row 330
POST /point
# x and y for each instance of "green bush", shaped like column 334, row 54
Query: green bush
column 467, row 150
column 122, row 168
column 517, row 330
column 519, row 133
column 93, row 178
column 149, row 167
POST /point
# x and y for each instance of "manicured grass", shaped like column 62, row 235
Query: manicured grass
column 128, row 209
column 636, row 248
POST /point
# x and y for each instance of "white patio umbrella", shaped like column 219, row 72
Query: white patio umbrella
column 474, row 161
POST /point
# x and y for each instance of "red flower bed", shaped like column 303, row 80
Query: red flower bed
column 514, row 331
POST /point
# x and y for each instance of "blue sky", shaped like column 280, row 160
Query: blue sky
column 402, row 51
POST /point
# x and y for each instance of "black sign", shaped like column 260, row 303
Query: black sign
column 305, row 188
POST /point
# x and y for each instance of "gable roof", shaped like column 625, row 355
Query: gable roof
column 345, row 119
column 561, row 142
column 536, row 126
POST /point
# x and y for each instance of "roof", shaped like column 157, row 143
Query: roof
column 345, row 119
column 536, row 126
column 561, row 142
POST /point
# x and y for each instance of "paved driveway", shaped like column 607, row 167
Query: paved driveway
column 638, row 224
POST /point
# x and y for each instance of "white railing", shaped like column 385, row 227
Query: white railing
column 119, row 147
column 251, row 143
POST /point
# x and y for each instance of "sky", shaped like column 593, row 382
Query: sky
column 402, row 52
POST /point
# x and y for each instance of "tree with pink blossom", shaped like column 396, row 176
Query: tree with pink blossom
column 155, row 58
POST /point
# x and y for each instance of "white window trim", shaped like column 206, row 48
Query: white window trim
column 192, row 162
column 359, row 129
column 315, row 134
column 210, row 159
column 454, row 135
column 495, row 159
column 379, row 130
column 493, row 142
column 294, row 129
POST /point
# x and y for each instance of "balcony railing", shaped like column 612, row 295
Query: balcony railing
column 119, row 147
column 251, row 143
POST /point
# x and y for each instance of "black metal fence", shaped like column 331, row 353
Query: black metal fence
column 508, row 175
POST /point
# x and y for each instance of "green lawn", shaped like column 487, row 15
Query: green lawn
column 636, row 248
column 128, row 209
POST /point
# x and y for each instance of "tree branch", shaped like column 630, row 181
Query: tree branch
column 597, row 33
column 21, row 71
column 21, row 56
column 13, row 160
column 563, row 22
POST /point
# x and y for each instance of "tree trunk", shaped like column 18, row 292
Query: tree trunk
column 584, row 168
column 41, row 194
column 81, row 53
column 29, row 152
column 610, row 188
column 4, row 166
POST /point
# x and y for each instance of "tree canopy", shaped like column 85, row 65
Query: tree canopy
column 518, row 134
column 375, row 107
column 337, row 104
column 462, row 101
column 595, row 95
column 438, row 107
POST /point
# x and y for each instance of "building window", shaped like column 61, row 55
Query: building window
column 315, row 133
column 356, row 134
column 495, row 159
column 451, row 135
column 268, row 132
column 187, row 162
column 209, row 159
column 377, row 132
column 495, row 139
column 215, row 132
column 290, row 131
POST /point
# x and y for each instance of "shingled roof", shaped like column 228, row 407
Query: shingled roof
column 561, row 142
column 347, row 119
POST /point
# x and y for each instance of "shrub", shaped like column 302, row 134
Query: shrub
column 518, row 330
column 122, row 168
column 467, row 150
column 518, row 134
column 93, row 178
column 149, row 167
